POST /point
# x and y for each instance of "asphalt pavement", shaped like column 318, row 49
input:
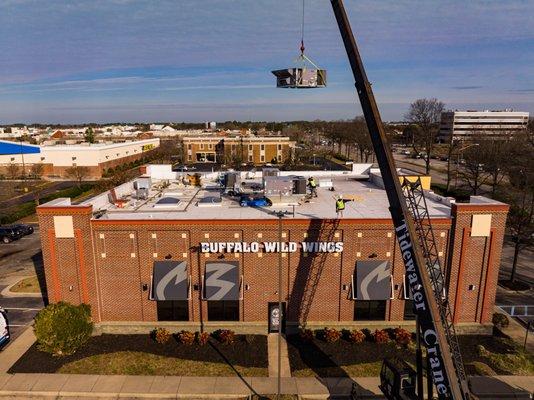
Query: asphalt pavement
column 18, row 260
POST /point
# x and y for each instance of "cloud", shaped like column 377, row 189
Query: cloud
column 466, row 87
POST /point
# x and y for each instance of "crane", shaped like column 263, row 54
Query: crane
column 416, row 242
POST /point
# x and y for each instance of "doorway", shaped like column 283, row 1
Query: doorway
column 275, row 319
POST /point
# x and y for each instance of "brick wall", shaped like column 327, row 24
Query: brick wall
column 118, row 258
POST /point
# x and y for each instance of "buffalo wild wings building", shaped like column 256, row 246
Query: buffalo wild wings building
column 155, row 252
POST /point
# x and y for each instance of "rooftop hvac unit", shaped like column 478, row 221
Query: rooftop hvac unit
column 142, row 183
column 278, row 186
column 141, row 193
column 270, row 172
column 299, row 185
column 300, row 78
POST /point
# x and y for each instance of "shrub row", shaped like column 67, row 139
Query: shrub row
column 399, row 335
column 162, row 335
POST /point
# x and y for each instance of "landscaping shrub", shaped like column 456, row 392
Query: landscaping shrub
column 306, row 335
column 330, row 335
column 402, row 336
column 186, row 337
column 225, row 336
column 161, row 335
column 500, row 320
column 380, row 336
column 355, row 336
column 62, row 328
column 202, row 338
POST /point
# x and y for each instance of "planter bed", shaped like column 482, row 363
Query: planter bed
column 140, row 355
column 482, row 355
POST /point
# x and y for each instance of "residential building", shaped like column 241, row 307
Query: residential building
column 255, row 150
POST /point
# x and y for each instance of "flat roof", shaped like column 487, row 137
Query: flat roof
column 368, row 201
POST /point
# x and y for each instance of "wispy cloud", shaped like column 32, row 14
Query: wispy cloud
column 466, row 87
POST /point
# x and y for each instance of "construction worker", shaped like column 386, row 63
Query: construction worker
column 340, row 205
column 313, row 186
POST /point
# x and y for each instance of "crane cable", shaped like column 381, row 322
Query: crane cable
column 302, row 32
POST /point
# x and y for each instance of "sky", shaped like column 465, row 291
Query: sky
column 81, row 61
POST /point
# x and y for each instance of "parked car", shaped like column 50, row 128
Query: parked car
column 25, row 229
column 183, row 168
column 249, row 201
column 9, row 234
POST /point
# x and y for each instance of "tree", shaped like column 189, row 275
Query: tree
column 89, row 135
column 13, row 171
column 452, row 147
column 520, row 195
column 473, row 171
column 497, row 158
column 425, row 114
column 37, row 170
column 364, row 145
column 77, row 173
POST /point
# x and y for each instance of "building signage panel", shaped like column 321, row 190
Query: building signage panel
column 373, row 280
column 170, row 281
column 271, row 247
column 222, row 280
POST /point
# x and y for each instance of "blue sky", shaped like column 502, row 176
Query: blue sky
column 181, row 60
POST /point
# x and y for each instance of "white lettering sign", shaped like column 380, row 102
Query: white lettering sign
column 271, row 247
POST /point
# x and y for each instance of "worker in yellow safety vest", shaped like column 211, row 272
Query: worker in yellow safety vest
column 340, row 206
column 313, row 186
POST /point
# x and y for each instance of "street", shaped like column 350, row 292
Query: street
column 18, row 260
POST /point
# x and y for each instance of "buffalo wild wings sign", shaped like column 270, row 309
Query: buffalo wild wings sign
column 271, row 247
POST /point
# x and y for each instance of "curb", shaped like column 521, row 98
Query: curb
column 6, row 292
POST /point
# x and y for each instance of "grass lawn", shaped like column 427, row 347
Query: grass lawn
column 27, row 285
column 482, row 355
column 140, row 355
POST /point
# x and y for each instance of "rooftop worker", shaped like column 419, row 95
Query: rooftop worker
column 313, row 186
column 340, row 205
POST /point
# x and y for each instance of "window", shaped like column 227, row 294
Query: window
column 249, row 147
column 262, row 147
column 173, row 310
column 189, row 146
column 189, row 157
column 409, row 315
column 250, row 158
column 279, row 147
column 201, row 146
column 210, row 146
column 370, row 310
column 223, row 310
column 279, row 157
column 262, row 158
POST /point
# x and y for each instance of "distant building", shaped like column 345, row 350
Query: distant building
column 463, row 125
column 255, row 150
column 56, row 159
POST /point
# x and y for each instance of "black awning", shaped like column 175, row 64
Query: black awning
column 373, row 280
column 170, row 281
column 222, row 280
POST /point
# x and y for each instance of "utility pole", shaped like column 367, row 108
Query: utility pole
column 280, row 215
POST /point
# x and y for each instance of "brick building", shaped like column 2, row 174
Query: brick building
column 156, row 252
column 255, row 150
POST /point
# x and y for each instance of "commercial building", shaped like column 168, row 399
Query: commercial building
column 156, row 251
column 464, row 125
column 255, row 150
column 56, row 159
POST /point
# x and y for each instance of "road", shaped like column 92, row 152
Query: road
column 52, row 188
column 20, row 259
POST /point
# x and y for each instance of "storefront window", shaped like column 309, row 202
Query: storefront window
column 173, row 310
column 369, row 310
column 223, row 310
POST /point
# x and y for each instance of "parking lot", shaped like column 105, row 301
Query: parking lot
column 20, row 259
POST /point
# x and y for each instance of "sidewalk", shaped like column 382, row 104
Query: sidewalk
column 517, row 332
column 272, row 349
column 15, row 350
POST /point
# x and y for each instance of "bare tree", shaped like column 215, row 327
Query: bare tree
column 520, row 195
column 37, row 170
column 77, row 173
column 452, row 147
column 473, row 171
column 425, row 114
column 13, row 171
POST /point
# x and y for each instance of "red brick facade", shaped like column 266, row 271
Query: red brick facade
column 108, row 263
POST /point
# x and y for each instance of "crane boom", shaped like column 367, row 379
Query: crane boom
column 446, row 368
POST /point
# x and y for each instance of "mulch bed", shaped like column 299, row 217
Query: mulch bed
column 517, row 286
column 327, row 359
column 246, row 351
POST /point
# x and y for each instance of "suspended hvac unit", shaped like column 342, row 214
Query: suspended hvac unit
column 300, row 78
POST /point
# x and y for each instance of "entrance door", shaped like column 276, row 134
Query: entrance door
column 275, row 319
